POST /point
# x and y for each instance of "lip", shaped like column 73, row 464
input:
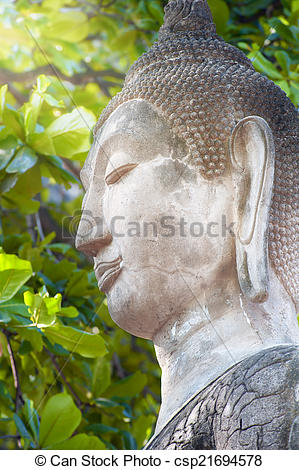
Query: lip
column 107, row 272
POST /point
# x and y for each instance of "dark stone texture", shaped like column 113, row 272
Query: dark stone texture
column 251, row 406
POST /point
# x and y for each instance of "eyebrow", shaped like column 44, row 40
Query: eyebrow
column 100, row 148
column 127, row 134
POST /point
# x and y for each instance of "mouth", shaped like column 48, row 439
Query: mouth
column 107, row 272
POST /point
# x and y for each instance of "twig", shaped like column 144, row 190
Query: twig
column 79, row 403
column 10, row 437
column 19, row 398
column 118, row 367
column 156, row 397
column 30, row 221
column 41, row 232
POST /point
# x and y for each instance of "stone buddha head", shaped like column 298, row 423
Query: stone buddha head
column 190, row 183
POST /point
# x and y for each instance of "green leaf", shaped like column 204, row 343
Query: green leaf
column 284, row 31
column 59, row 271
column 25, row 348
column 70, row 26
column 25, row 188
column 5, row 157
column 250, row 7
column 100, row 428
column 155, row 9
column 7, row 150
column 105, row 403
column 48, row 238
column 42, row 143
column 59, row 173
column 3, row 91
column 101, row 376
column 81, row 442
column 263, row 65
column 14, row 307
column 42, row 83
column 78, row 284
column 59, row 419
column 70, row 132
column 13, row 120
column 43, row 309
column 56, row 348
column 283, row 84
column 77, row 341
column 294, row 89
column 141, row 429
column 21, row 427
column 8, row 183
column 53, row 102
column 31, row 112
column 14, row 272
column 70, row 312
column 62, row 248
column 6, row 397
column 24, row 159
column 34, row 336
column 128, row 387
column 284, row 60
column 220, row 13
column 31, row 418
column 53, row 304
column 129, row 441
column 4, row 317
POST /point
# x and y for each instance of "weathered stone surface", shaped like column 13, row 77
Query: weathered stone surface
column 252, row 406
column 198, row 142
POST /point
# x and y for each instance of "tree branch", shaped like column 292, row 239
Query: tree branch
column 106, row 5
column 19, row 398
column 7, row 76
column 20, row 98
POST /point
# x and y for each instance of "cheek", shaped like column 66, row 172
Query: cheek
column 137, row 210
column 155, row 225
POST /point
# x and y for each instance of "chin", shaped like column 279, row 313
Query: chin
column 142, row 303
column 130, row 311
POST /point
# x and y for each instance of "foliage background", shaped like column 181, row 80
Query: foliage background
column 70, row 379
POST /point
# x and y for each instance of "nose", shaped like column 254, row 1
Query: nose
column 92, row 234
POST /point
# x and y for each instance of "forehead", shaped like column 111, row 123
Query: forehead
column 134, row 126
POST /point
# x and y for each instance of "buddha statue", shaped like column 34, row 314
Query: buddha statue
column 191, row 219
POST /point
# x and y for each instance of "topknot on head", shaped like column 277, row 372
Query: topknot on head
column 188, row 16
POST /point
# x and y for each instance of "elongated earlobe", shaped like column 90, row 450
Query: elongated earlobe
column 252, row 155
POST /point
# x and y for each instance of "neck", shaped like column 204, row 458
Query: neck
column 198, row 346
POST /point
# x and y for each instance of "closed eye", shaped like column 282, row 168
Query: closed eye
column 119, row 172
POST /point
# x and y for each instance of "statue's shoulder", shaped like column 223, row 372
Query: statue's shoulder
column 251, row 406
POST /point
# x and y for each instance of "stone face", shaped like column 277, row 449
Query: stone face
column 189, row 215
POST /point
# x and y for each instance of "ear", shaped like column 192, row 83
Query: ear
column 252, row 154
